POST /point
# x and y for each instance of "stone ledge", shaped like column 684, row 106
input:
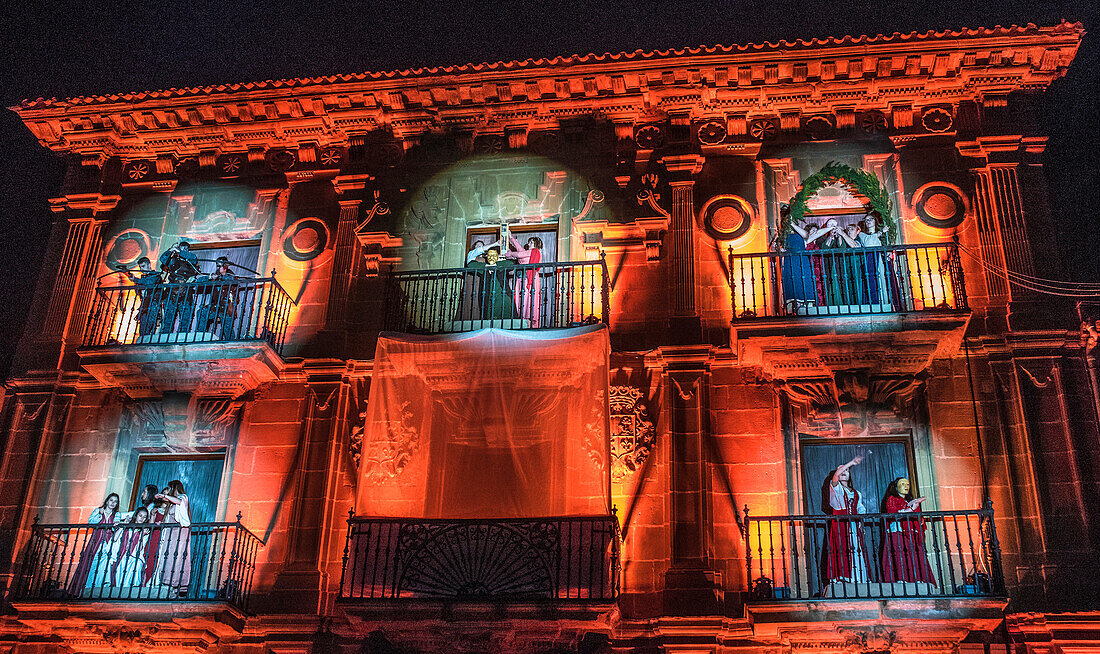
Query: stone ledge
column 146, row 371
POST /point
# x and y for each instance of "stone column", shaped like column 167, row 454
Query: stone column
column 349, row 189
column 684, row 325
column 33, row 422
column 59, row 328
column 301, row 583
column 692, row 587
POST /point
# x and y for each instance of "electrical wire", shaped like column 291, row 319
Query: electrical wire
column 1038, row 281
column 1036, row 284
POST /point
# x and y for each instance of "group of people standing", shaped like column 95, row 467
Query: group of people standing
column 903, row 557
column 173, row 306
column 147, row 547
column 838, row 277
column 492, row 292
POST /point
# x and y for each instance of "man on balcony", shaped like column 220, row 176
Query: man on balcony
column 149, row 295
column 216, row 316
column 181, row 266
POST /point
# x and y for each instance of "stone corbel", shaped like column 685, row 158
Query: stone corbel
column 96, row 203
column 211, row 419
column 378, row 248
column 644, row 234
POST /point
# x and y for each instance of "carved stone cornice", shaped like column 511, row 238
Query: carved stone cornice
column 767, row 80
column 94, row 202
column 987, row 147
column 641, row 234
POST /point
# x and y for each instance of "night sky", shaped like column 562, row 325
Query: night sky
column 103, row 47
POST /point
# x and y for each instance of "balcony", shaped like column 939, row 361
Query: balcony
column 533, row 296
column 226, row 336
column 795, row 314
column 568, row 560
column 910, row 575
column 927, row 554
column 208, row 562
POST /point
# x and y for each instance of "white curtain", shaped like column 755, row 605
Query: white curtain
column 487, row 424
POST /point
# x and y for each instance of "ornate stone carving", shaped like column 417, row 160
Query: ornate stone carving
column 231, row 164
column 763, row 129
column 281, row 160
column 819, row 127
column 213, row 419
column 306, row 239
column 875, row 640
column 147, row 419
column 330, row 157
column 489, row 144
column 648, row 137
column 936, row 119
column 712, row 132
column 126, row 639
column 727, row 217
column 633, row 435
column 852, row 403
column 940, row 205
column 873, row 122
column 384, row 458
column 137, row 170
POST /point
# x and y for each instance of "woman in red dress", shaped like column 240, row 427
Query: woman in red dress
column 528, row 292
column 157, row 516
column 903, row 555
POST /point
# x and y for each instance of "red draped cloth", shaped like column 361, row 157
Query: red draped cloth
column 152, row 547
column 903, row 555
column 100, row 537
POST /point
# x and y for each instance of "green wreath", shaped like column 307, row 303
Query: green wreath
column 857, row 179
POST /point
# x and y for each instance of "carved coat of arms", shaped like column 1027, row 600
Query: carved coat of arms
column 632, row 433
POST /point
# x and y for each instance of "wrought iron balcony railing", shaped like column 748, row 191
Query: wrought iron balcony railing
column 874, row 555
column 568, row 559
column 841, row 282
column 532, row 296
column 193, row 312
column 206, row 562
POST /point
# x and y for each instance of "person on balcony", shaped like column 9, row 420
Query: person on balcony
column 174, row 555
column 94, row 567
column 799, row 285
column 878, row 267
column 903, row 555
column 528, row 287
column 496, row 300
column 846, row 556
column 216, row 316
column 150, row 295
column 129, row 551
column 469, row 300
column 146, row 500
column 158, row 515
column 181, row 266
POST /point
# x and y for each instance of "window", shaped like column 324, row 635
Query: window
column 200, row 474
column 244, row 255
column 884, row 459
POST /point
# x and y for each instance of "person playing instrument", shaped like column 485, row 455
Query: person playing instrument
column 181, row 266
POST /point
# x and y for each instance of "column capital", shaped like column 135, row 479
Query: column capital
column 682, row 167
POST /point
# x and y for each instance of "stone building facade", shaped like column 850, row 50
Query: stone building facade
column 739, row 376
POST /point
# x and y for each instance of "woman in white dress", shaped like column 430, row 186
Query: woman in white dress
column 174, row 557
column 846, row 556
column 94, row 566
column 129, row 546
